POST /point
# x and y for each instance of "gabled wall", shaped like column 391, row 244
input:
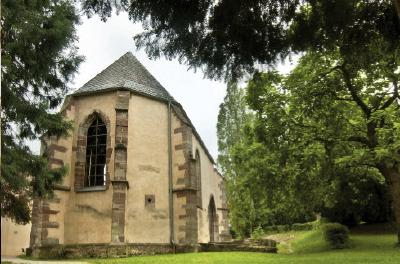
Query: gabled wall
column 133, row 206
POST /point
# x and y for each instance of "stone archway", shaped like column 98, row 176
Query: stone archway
column 212, row 220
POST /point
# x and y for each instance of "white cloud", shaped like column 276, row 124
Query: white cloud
column 102, row 43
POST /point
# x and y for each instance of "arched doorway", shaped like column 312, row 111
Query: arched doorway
column 212, row 220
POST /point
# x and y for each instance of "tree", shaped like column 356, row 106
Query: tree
column 262, row 191
column 348, row 105
column 232, row 118
column 38, row 61
column 229, row 37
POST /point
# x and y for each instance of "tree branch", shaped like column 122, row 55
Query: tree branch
column 393, row 97
column 353, row 92
column 322, row 75
column 337, row 98
column 397, row 6
column 359, row 139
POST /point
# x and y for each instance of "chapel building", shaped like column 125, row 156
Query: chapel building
column 139, row 174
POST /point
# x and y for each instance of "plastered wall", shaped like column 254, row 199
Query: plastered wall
column 147, row 172
column 81, row 217
column 14, row 237
column 212, row 185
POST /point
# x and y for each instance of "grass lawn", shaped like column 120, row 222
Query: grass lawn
column 307, row 247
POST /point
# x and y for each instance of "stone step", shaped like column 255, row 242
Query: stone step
column 266, row 246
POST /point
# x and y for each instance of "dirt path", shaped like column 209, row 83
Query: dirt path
column 28, row 261
column 283, row 239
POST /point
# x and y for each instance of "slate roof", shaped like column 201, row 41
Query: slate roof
column 126, row 72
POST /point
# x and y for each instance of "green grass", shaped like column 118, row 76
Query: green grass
column 308, row 247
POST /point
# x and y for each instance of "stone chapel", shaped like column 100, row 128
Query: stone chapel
column 140, row 178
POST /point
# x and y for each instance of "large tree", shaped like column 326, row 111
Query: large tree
column 38, row 60
column 349, row 107
column 229, row 37
column 262, row 189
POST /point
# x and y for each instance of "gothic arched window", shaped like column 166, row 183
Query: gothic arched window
column 95, row 174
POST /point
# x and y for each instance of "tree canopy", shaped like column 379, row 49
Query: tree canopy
column 324, row 138
column 229, row 37
column 38, row 61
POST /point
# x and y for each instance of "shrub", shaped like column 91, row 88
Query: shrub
column 303, row 226
column 294, row 227
column 282, row 228
column 336, row 235
column 258, row 233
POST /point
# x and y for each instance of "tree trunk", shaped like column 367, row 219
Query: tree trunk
column 397, row 6
column 392, row 176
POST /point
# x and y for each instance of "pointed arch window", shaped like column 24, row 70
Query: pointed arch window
column 95, row 173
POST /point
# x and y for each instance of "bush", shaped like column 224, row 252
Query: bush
column 294, row 227
column 336, row 235
column 282, row 228
column 258, row 233
column 303, row 226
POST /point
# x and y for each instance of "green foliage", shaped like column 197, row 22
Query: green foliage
column 227, row 38
column 261, row 191
column 322, row 139
column 257, row 233
column 38, row 61
column 304, row 226
column 336, row 235
column 307, row 226
column 348, row 208
column 306, row 242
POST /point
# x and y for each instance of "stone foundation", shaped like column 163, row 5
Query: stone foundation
column 127, row 250
column 264, row 245
column 99, row 250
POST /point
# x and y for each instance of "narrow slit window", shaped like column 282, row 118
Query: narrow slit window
column 96, row 154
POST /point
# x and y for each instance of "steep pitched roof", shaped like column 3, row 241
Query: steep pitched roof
column 126, row 72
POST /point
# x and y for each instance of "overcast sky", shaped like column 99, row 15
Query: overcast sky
column 104, row 42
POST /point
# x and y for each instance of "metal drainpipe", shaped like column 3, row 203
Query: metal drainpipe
column 171, row 201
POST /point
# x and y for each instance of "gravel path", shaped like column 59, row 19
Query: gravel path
column 284, row 239
column 28, row 261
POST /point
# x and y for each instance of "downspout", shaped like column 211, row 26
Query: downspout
column 171, row 201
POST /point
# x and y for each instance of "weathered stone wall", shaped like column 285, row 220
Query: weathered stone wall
column 224, row 233
column 48, row 215
column 212, row 186
column 102, row 250
column 147, row 211
column 133, row 206
column 184, row 191
column 120, row 183
column 89, row 210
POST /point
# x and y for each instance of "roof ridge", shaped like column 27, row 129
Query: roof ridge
column 105, row 69
column 126, row 72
